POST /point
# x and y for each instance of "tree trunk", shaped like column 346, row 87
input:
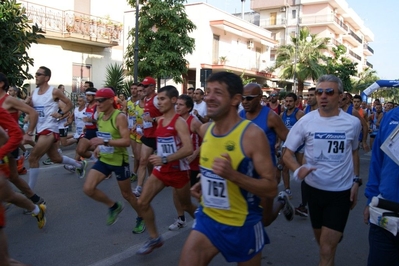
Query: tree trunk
column 300, row 87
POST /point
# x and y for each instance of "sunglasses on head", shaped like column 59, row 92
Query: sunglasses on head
column 249, row 97
column 329, row 92
column 101, row 100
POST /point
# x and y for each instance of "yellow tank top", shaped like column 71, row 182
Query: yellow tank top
column 223, row 200
column 135, row 117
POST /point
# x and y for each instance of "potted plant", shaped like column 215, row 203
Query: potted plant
column 223, row 60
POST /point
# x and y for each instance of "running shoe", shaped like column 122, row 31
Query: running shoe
column 70, row 168
column 113, row 214
column 39, row 202
column 48, row 162
column 133, row 177
column 82, row 170
column 177, row 225
column 288, row 209
column 41, row 216
column 140, row 226
column 26, row 154
column 150, row 245
column 289, row 193
column 137, row 191
column 301, row 211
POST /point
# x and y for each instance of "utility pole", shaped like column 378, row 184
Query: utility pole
column 136, row 44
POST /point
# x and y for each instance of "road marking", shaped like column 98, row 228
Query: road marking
column 130, row 252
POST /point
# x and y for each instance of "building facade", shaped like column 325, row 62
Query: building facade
column 326, row 18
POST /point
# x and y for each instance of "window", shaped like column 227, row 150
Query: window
column 294, row 14
column 215, row 49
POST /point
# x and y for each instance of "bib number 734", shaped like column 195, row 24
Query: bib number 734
column 336, row 146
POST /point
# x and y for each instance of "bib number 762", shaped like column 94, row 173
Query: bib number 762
column 216, row 189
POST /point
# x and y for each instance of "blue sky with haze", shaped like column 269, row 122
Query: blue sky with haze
column 379, row 16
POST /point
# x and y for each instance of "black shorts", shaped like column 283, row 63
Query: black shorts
column 90, row 133
column 63, row 132
column 328, row 208
column 15, row 153
column 193, row 177
column 149, row 142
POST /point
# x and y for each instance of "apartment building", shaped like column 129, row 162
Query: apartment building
column 81, row 38
column 326, row 18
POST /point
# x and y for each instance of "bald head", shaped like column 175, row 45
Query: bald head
column 253, row 89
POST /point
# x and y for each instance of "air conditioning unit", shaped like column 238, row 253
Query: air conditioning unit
column 282, row 9
column 250, row 44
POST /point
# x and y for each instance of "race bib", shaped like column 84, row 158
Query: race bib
column 79, row 130
column 166, row 146
column 145, row 123
column 329, row 147
column 105, row 136
column 214, row 190
column 88, row 115
column 131, row 121
column 40, row 112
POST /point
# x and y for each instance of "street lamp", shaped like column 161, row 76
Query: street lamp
column 136, row 45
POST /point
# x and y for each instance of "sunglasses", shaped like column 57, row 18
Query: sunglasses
column 329, row 92
column 249, row 97
column 101, row 100
column 39, row 74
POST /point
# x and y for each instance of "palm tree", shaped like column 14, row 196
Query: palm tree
column 367, row 77
column 308, row 55
column 114, row 77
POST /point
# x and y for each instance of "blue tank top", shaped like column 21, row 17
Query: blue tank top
column 290, row 120
column 261, row 121
column 350, row 109
column 308, row 109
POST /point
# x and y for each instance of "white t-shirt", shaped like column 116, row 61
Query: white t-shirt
column 329, row 142
column 201, row 108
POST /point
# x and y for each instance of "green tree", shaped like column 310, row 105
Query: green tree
column 16, row 37
column 163, row 39
column 307, row 53
column 114, row 77
column 365, row 79
column 341, row 67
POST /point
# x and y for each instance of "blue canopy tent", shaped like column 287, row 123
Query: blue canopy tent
column 379, row 84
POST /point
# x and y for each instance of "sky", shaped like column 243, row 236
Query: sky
column 379, row 16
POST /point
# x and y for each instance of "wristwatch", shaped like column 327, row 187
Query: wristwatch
column 106, row 142
column 164, row 160
column 358, row 180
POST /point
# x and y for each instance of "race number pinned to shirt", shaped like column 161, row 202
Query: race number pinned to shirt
column 329, row 146
column 146, row 124
column 40, row 112
column 214, row 190
column 88, row 115
column 131, row 121
column 105, row 136
column 166, row 146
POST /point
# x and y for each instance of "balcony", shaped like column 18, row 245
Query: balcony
column 367, row 50
column 369, row 64
column 269, row 23
column 353, row 54
column 262, row 4
column 67, row 25
column 334, row 42
column 352, row 38
column 325, row 20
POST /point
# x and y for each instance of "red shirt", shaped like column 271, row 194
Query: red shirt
column 91, row 110
column 152, row 111
column 14, row 132
column 13, row 114
column 197, row 140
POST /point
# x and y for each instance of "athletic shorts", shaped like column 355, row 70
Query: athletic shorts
column 48, row 132
column 121, row 172
column 176, row 179
column 149, row 142
column 15, row 153
column 328, row 208
column 90, row 133
column 63, row 132
column 373, row 135
column 235, row 243
column 193, row 177
column 2, row 216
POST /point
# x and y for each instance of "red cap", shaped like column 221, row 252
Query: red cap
column 148, row 81
column 105, row 93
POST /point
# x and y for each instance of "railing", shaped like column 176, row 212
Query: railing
column 355, row 55
column 355, row 36
column 336, row 42
column 323, row 19
column 365, row 46
column 268, row 22
column 369, row 64
column 67, row 22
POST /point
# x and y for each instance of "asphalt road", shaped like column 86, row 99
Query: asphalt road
column 76, row 233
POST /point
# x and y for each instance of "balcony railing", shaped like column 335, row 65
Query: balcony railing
column 355, row 36
column 365, row 46
column 369, row 64
column 358, row 57
column 269, row 22
column 67, row 23
column 335, row 42
column 323, row 19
